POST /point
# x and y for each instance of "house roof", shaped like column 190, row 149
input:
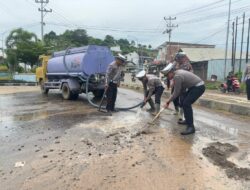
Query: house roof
column 205, row 54
column 181, row 44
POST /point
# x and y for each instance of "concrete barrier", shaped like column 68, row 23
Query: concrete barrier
column 18, row 84
column 25, row 77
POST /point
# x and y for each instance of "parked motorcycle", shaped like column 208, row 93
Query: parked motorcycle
column 232, row 85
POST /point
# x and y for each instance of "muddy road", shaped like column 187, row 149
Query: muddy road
column 49, row 143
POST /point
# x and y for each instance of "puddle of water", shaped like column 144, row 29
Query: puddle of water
column 119, row 120
column 31, row 116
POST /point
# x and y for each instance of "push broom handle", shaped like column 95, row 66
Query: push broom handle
column 105, row 91
column 158, row 114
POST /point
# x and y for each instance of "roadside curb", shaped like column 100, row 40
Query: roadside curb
column 18, row 84
column 208, row 103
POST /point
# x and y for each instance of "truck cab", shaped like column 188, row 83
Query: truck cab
column 41, row 72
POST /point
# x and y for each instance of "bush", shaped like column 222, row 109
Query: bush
column 33, row 70
column 20, row 69
column 243, row 87
column 239, row 75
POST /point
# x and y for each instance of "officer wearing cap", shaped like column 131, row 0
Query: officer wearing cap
column 195, row 88
column 113, row 77
column 151, row 85
column 182, row 62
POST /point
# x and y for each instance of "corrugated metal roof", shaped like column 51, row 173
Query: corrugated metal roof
column 183, row 44
column 206, row 54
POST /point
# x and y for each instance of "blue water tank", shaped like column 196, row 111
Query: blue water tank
column 85, row 61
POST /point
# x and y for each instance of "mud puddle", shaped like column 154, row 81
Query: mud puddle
column 219, row 153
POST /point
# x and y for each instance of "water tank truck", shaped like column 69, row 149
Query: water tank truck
column 69, row 70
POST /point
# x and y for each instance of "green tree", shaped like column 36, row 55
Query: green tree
column 12, row 59
column 109, row 41
column 51, row 41
column 125, row 46
column 23, row 46
column 132, row 43
column 94, row 41
column 77, row 37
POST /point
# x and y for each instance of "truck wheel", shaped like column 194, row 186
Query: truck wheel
column 66, row 93
column 43, row 89
column 98, row 93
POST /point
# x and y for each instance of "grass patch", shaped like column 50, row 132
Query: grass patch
column 243, row 87
column 212, row 85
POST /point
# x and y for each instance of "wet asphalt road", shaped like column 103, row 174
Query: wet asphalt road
column 69, row 145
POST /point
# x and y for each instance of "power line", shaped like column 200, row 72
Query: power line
column 104, row 28
column 23, row 26
column 211, row 35
column 198, row 8
column 212, row 7
column 218, row 15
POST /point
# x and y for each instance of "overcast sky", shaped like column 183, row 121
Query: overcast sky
column 200, row 21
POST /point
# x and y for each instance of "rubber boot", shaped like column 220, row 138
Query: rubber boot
column 189, row 130
column 181, row 114
column 176, row 110
column 182, row 122
column 157, row 109
column 152, row 106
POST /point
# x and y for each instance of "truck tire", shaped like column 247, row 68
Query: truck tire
column 66, row 93
column 98, row 93
column 43, row 89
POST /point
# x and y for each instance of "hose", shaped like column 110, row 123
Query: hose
column 97, row 106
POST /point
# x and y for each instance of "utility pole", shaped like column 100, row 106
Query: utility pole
column 43, row 11
column 2, row 45
column 242, row 37
column 248, row 40
column 169, row 30
column 228, row 23
column 235, row 41
column 232, row 62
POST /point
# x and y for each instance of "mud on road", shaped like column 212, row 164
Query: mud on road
column 49, row 143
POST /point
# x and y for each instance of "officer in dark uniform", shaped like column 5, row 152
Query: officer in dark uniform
column 192, row 85
column 182, row 62
column 113, row 77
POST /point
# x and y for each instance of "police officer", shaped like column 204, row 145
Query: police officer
column 247, row 80
column 113, row 77
column 151, row 85
column 195, row 88
column 182, row 62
